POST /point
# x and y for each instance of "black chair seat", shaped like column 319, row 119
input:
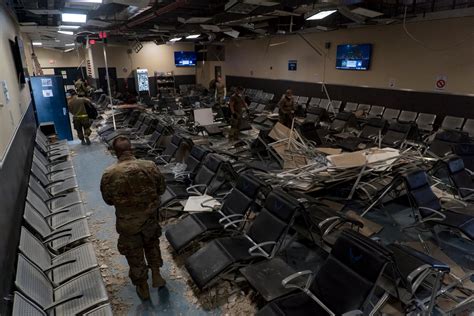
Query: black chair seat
column 190, row 227
column 299, row 304
column 216, row 257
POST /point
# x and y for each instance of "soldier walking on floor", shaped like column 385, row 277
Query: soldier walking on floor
column 286, row 109
column 134, row 187
column 236, row 106
column 80, row 119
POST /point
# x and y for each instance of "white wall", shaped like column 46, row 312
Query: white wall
column 12, row 111
column 395, row 56
column 152, row 57
column 51, row 58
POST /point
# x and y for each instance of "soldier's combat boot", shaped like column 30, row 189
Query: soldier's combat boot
column 88, row 141
column 83, row 142
column 157, row 279
column 143, row 291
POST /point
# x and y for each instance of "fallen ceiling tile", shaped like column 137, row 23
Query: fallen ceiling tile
column 44, row 12
column 366, row 12
column 194, row 20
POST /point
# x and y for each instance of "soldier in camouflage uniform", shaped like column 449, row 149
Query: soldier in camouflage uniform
column 286, row 109
column 236, row 106
column 134, row 187
column 80, row 118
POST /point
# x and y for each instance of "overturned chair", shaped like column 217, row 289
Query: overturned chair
column 263, row 239
column 235, row 206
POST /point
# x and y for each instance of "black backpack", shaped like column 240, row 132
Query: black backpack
column 91, row 110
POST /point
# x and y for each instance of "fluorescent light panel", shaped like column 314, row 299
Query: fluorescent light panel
column 37, row 44
column 66, row 32
column 192, row 36
column 176, row 39
column 74, row 17
column 71, row 27
column 321, row 15
column 69, row 44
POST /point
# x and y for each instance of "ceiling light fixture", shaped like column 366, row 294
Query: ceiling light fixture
column 66, row 32
column 192, row 36
column 37, row 44
column 74, row 17
column 176, row 39
column 320, row 15
column 68, row 50
column 71, row 27
column 70, row 44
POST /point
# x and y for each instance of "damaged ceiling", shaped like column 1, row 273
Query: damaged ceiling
column 214, row 20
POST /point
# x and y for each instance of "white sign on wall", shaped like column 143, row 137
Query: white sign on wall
column 441, row 82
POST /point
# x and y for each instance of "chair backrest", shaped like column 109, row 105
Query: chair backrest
column 350, row 107
column 336, row 106
column 34, row 249
column 314, row 101
column 324, row 103
column 39, row 189
column 425, row 121
column 396, row 134
column 172, row 147
column 348, row 277
column 459, row 176
column 303, row 100
column 469, row 127
column 208, row 169
column 373, row 128
column 36, row 221
column 36, row 171
column 341, row 121
column 40, row 165
column 195, row 158
column 407, row 116
column 274, row 220
column 37, row 203
column 391, row 114
column 23, row 306
column 376, row 110
column 364, row 107
column 154, row 138
column 452, row 123
column 40, row 157
column 242, row 196
column 419, row 192
column 33, row 283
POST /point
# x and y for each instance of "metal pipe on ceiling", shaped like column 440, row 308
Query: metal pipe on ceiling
column 155, row 13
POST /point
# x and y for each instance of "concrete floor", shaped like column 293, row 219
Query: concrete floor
column 90, row 162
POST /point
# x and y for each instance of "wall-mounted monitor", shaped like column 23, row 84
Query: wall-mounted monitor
column 185, row 59
column 353, row 56
column 16, row 47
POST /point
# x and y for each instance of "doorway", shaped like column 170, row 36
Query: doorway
column 103, row 79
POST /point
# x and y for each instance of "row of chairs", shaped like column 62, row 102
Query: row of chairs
column 57, row 270
column 235, row 246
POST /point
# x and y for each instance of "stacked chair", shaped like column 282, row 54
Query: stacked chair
column 57, row 270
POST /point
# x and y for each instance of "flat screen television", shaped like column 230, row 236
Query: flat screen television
column 353, row 56
column 185, row 59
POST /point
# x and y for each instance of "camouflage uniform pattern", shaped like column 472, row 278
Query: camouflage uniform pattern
column 238, row 104
column 285, row 113
column 134, row 187
column 80, row 120
column 220, row 91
